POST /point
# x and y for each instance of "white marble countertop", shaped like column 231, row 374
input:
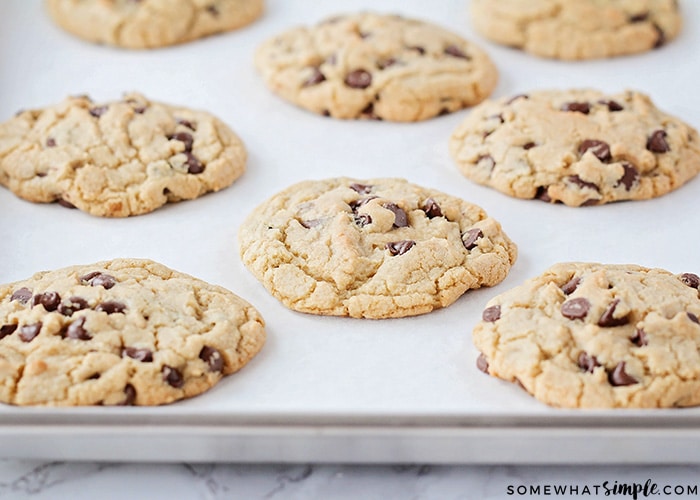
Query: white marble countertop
column 57, row 480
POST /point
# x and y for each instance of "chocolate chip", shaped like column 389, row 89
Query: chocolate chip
column 690, row 279
column 516, row 97
column 487, row 161
column 212, row 10
column 186, row 123
column 173, row 377
column 590, row 203
column 183, row 137
column 97, row 278
column 570, row 286
column 140, row 109
column 65, row 203
column 469, row 238
column 529, row 145
column 400, row 247
column 661, row 36
column 308, row 224
column 74, row 304
column 361, row 188
column 355, row 204
column 575, row 308
column 50, row 142
column 212, row 357
column 575, row 179
column 612, row 105
column 362, row 220
column 76, row 330
column 656, row 143
column 454, row 51
column 194, row 166
column 587, row 362
column 417, row 48
column 385, row 63
column 368, row 112
column 630, row 176
column 491, row 314
column 22, row 295
column 608, row 318
column 578, row 107
column 600, row 149
column 50, row 300
column 6, row 330
column 315, row 78
column 638, row 18
column 28, row 332
column 111, row 307
column 640, row 338
column 400, row 217
column 482, row 363
column 619, row 376
column 692, row 317
column 542, row 194
column 143, row 355
column 358, row 79
column 432, row 209
column 98, row 111
column 130, row 393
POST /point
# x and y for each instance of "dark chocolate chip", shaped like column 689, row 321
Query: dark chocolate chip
column 486, row 160
column 454, row 51
column 368, row 112
column 74, row 304
column 140, row 110
column 638, row 18
column 355, row 204
column 542, row 194
column 65, row 203
column 432, row 209
column 212, row 10
column 692, row 317
column 690, row 279
column 76, row 330
column 6, row 330
column 656, row 143
column 400, row 217
column 661, row 36
column 516, row 97
column 482, row 363
column 417, row 48
column 612, row 105
column 143, row 355
column 111, row 307
column 608, row 318
column 183, row 137
column 194, row 166
column 619, row 376
column 529, row 145
column 186, row 123
column 358, row 79
column 576, row 308
column 173, row 377
column 587, row 362
column 600, row 149
column 50, row 300
column 630, row 176
column 315, row 78
column 97, row 278
column 361, row 188
column 570, row 286
column 213, row 358
column 94, row 376
column 400, row 247
column 491, row 314
column 385, row 63
column 50, row 142
column 362, row 220
column 640, row 338
column 22, row 295
column 470, row 237
column 578, row 107
column 130, row 393
column 308, row 224
column 575, row 179
column 98, row 111
column 28, row 332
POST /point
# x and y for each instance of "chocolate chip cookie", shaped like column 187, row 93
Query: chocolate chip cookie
column 578, row 29
column 379, row 248
column 143, row 24
column 374, row 66
column 586, row 335
column 122, row 332
column 117, row 159
column 578, row 147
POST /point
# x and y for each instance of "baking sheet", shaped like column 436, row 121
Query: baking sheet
column 338, row 388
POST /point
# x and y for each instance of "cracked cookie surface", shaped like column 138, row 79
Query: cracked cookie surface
column 578, row 29
column 376, row 66
column 119, row 158
column 142, row 24
column 120, row 332
column 578, row 147
column 587, row 335
column 377, row 248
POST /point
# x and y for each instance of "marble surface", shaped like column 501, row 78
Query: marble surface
column 57, row 480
